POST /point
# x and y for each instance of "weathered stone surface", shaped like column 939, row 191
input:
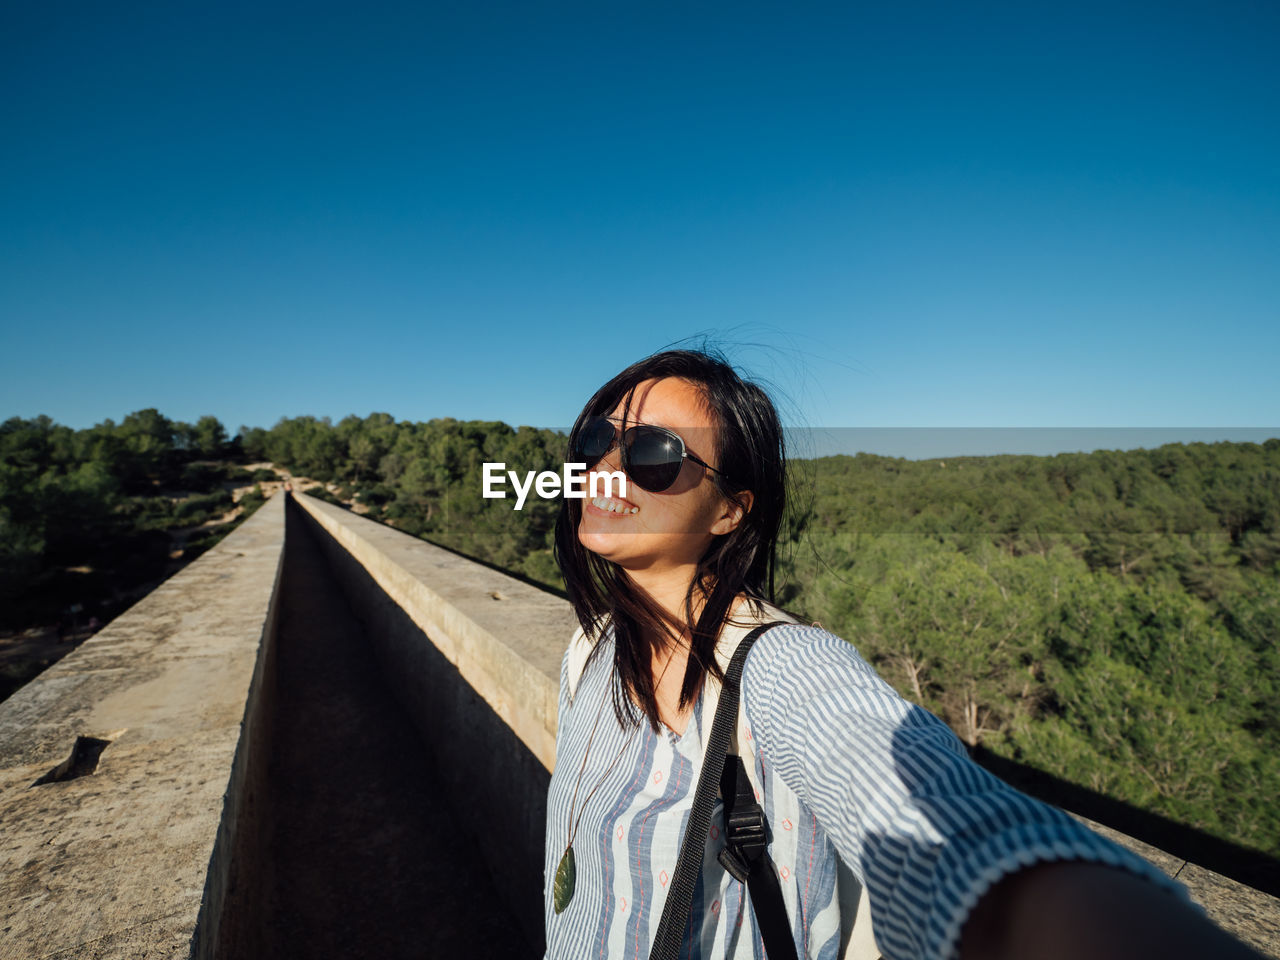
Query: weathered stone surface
column 1250, row 914
column 114, row 863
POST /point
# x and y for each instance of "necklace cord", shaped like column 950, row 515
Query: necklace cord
column 573, row 804
column 573, row 827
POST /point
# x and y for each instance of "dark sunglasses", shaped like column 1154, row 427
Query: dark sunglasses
column 651, row 456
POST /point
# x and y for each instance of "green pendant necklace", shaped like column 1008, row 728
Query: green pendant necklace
column 567, row 872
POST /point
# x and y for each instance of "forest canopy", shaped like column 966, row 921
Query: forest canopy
column 88, row 517
column 1108, row 617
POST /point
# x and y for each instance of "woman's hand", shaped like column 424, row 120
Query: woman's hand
column 1082, row 910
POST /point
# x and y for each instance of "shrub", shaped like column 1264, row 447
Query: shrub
column 251, row 501
column 200, row 508
column 201, row 477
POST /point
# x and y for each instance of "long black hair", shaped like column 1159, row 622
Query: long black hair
column 751, row 454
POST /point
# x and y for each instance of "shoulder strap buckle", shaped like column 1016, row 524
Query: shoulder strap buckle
column 746, row 829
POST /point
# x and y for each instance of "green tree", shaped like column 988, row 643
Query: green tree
column 210, row 437
column 964, row 644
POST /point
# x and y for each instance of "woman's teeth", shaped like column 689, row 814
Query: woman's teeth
column 613, row 506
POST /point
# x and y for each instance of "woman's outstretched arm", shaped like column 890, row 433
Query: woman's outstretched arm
column 928, row 831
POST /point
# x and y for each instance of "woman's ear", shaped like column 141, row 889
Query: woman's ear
column 734, row 510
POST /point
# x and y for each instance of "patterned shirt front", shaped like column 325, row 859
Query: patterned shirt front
column 849, row 770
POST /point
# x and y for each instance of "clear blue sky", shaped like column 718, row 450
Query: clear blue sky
column 927, row 215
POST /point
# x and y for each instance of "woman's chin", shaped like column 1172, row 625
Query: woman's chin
column 637, row 550
column 607, row 544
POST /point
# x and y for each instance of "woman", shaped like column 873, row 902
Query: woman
column 667, row 576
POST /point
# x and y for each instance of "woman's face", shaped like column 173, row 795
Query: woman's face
column 656, row 531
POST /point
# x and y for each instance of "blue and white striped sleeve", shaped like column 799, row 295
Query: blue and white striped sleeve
column 926, row 829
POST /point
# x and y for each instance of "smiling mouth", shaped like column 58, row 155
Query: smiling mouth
column 614, row 505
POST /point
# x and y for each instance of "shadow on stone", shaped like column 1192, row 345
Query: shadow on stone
column 355, row 849
column 491, row 787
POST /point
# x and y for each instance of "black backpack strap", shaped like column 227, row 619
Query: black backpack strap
column 746, row 857
column 675, row 912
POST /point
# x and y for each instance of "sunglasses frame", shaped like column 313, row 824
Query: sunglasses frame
column 620, row 441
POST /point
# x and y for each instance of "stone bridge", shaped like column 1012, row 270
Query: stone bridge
column 324, row 738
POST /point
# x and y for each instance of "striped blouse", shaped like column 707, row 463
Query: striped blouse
column 849, row 772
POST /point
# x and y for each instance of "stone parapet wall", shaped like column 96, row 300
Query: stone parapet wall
column 117, row 862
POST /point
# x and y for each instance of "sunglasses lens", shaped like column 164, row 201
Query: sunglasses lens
column 654, row 458
column 593, row 441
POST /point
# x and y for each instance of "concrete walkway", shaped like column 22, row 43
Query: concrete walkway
column 364, row 857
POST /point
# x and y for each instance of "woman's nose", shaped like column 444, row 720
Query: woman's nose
column 611, row 461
